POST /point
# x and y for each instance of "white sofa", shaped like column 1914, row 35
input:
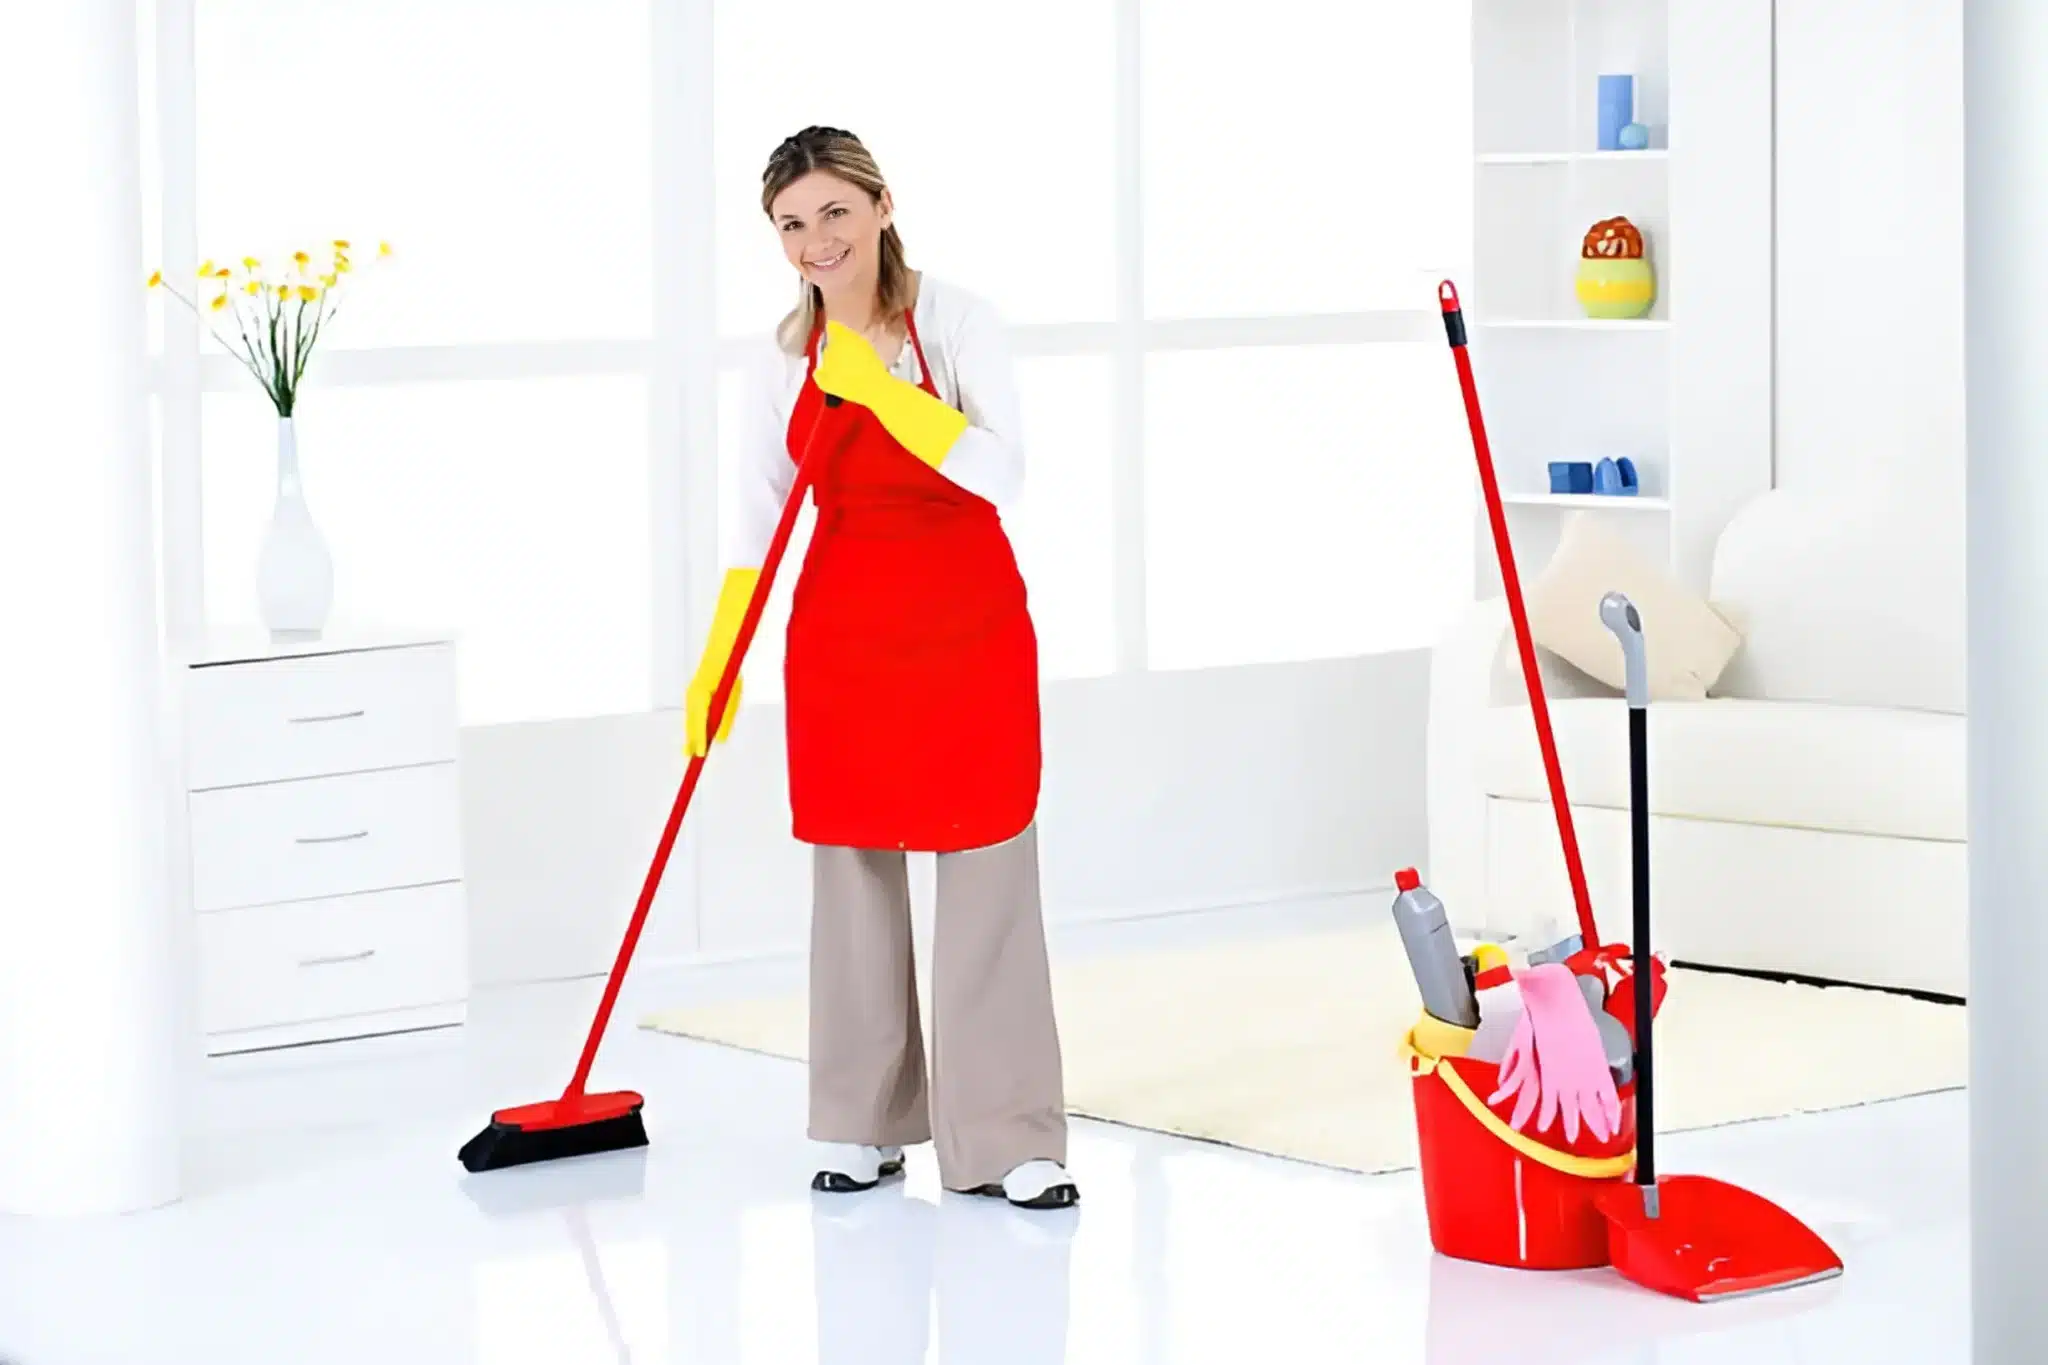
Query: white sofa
column 1809, row 817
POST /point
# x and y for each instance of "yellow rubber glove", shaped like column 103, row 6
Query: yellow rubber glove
column 850, row 369
column 733, row 596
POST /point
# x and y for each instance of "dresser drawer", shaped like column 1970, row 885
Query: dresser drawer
column 286, row 964
column 325, row 836
column 310, row 716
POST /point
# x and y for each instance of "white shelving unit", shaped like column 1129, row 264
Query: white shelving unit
column 1684, row 392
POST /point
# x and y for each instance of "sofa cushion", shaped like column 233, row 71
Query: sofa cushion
column 1851, row 593
column 1685, row 643
column 1801, row 765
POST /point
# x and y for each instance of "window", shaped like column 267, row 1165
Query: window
column 1000, row 169
column 505, row 148
column 1001, row 182
column 1325, row 168
column 512, row 511
column 1062, row 526
column 496, row 480
column 1302, row 502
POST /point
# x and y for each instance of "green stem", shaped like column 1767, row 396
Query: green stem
column 245, row 356
column 248, row 360
column 276, row 358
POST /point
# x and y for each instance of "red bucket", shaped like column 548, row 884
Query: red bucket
column 1523, row 1200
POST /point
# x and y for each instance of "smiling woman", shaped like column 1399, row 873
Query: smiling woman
column 911, row 684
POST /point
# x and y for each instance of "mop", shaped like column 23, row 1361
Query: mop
column 580, row 1123
column 1689, row 1236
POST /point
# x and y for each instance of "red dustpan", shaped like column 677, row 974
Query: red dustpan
column 1689, row 1236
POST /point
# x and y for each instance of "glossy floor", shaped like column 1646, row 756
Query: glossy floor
column 327, row 1220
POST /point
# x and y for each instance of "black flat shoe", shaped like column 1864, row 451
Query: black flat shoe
column 1062, row 1196
column 838, row 1182
column 1058, row 1192
column 833, row 1182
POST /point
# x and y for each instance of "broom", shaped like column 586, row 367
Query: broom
column 1454, row 328
column 580, row 1123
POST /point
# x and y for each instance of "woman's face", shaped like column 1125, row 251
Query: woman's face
column 831, row 231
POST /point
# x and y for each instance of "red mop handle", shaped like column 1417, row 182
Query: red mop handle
column 756, row 604
column 1454, row 328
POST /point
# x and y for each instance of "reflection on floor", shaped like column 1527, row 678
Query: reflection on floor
column 327, row 1220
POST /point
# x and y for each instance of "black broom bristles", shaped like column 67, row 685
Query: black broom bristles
column 504, row 1144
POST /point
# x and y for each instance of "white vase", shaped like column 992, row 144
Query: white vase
column 295, row 572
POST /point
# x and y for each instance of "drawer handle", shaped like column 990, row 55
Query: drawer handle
column 364, row 956
column 322, row 720
column 333, row 838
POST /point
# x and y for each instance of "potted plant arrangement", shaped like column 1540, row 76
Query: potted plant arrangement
column 270, row 317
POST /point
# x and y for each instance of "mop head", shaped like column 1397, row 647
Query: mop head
column 551, row 1131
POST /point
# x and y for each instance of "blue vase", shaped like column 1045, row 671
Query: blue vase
column 1617, row 109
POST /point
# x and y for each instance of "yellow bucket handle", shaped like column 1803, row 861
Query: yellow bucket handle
column 1566, row 1163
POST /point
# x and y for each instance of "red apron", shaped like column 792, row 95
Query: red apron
column 911, row 672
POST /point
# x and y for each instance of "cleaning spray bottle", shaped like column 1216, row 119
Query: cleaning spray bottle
column 1433, row 953
column 1500, row 1006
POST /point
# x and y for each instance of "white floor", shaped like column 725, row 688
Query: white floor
column 327, row 1220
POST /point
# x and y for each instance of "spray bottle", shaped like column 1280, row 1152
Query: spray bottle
column 1433, row 953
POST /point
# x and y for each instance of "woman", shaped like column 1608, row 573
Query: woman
column 912, row 684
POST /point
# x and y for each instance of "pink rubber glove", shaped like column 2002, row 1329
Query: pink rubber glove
column 1519, row 1080
column 1557, row 1054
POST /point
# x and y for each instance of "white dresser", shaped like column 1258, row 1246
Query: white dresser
column 321, row 844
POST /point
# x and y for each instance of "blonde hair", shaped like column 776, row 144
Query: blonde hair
column 839, row 153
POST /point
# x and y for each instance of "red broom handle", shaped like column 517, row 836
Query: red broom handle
column 1454, row 327
column 756, row 604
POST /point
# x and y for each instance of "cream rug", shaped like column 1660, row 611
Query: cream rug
column 1289, row 1045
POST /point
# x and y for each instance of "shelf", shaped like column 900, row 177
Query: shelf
column 1656, row 154
column 1578, row 324
column 1604, row 501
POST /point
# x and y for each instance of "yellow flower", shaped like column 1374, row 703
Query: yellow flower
column 301, row 257
column 330, row 280
column 255, row 288
column 156, row 277
column 383, row 248
column 341, row 244
column 206, row 268
column 220, row 301
column 222, row 273
column 307, row 293
column 284, row 291
column 250, row 263
column 342, row 265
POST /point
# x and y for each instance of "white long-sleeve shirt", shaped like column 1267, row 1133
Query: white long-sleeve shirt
column 969, row 350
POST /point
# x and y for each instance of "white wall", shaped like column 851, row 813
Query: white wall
column 1163, row 792
column 1870, row 243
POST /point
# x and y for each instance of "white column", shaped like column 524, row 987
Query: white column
column 88, row 1058
column 2006, row 209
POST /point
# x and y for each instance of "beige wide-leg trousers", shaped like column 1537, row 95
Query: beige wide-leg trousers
column 993, row 1096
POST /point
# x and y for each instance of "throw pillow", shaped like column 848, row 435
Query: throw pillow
column 1685, row 641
